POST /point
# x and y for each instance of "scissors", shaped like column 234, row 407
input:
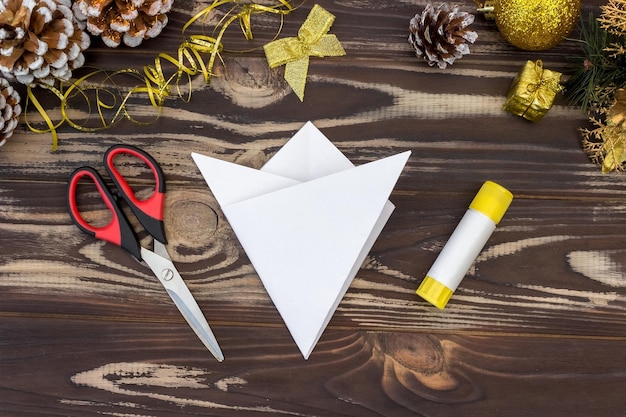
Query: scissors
column 149, row 212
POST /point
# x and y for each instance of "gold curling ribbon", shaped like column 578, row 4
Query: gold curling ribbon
column 533, row 91
column 244, row 16
column 52, row 127
column 81, row 87
column 188, row 62
column 294, row 53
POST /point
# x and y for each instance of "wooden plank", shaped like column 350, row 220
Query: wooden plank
column 94, row 367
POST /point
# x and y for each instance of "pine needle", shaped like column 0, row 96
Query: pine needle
column 599, row 70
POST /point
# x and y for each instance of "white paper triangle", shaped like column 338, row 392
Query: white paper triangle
column 306, row 240
column 230, row 182
column 307, row 155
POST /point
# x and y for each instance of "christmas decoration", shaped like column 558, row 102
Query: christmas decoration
column 440, row 35
column 533, row 25
column 613, row 17
column 601, row 69
column 606, row 144
column 39, row 40
column 597, row 84
column 10, row 109
column 312, row 40
column 533, row 91
column 598, row 71
column 128, row 21
column 196, row 55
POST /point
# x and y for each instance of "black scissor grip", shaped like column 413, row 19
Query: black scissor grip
column 118, row 230
column 149, row 212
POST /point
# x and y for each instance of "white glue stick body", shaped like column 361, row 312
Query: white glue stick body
column 465, row 243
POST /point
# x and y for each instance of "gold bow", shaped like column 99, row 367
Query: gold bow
column 312, row 40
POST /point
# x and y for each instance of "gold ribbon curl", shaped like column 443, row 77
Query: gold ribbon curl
column 294, row 53
column 247, row 10
column 188, row 62
column 533, row 91
column 82, row 87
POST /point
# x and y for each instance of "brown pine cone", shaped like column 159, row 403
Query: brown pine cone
column 10, row 110
column 128, row 21
column 440, row 35
column 39, row 40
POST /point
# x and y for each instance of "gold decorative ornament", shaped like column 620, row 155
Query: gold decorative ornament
column 532, row 25
column 533, row 91
column 312, row 40
column 606, row 144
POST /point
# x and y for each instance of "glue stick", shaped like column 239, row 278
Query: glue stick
column 465, row 243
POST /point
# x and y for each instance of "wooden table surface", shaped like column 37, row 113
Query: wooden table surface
column 537, row 327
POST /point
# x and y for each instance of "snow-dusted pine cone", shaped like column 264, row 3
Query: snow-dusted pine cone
column 128, row 21
column 10, row 109
column 440, row 35
column 39, row 40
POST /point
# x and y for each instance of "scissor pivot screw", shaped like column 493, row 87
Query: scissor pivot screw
column 167, row 274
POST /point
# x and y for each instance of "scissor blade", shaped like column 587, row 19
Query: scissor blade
column 161, row 250
column 166, row 272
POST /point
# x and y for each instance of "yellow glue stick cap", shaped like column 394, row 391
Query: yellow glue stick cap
column 434, row 292
column 492, row 200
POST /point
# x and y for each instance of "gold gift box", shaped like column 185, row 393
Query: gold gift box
column 533, row 91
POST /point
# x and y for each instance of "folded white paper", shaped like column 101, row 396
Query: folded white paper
column 307, row 219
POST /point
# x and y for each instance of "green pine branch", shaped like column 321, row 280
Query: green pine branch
column 599, row 70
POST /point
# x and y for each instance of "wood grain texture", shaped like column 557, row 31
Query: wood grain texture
column 537, row 327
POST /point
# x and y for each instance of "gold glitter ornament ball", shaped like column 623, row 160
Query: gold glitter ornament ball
column 535, row 25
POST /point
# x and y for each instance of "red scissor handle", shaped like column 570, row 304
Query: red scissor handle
column 118, row 230
column 149, row 212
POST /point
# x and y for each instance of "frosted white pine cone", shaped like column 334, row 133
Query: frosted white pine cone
column 440, row 35
column 127, row 21
column 40, row 40
column 10, row 109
